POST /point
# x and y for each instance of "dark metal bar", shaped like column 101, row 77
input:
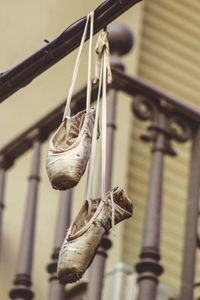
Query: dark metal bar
column 96, row 275
column 4, row 164
column 111, row 126
column 64, row 217
column 2, row 189
column 56, row 290
column 22, row 280
column 190, row 244
column 23, row 73
column 134, row 86
column 163, row 118
column 149, row 268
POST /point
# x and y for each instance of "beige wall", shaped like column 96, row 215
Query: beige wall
column 24, row 26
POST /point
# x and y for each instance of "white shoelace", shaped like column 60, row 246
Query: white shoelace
column 104, row 76
column 67, row 111
column 115, row 207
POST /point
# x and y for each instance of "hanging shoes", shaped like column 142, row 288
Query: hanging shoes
column 85, row 233
column 68, row 154
column 70, row 147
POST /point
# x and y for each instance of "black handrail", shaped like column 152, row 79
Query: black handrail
column 23, row 73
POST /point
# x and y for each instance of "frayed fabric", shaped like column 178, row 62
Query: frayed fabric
column 86, row 232
column 69, row 151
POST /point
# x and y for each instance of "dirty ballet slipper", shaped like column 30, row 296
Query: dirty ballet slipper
column 69, row 150
column 82, row 240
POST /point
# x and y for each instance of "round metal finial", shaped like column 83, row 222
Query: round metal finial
column 121, row 38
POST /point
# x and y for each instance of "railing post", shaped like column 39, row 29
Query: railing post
column 148, row 268
column 56, row 290
column 4, row 164
column 162, row 130
column 120, row 41
column 2, row 189
column 190, row 244
column 22, row 280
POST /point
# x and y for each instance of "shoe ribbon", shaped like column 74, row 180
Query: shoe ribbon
column 67, row 111
column 115, row 207
column 103, row 75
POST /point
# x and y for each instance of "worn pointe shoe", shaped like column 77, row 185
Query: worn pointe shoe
column 67, row 156
column 85, row 233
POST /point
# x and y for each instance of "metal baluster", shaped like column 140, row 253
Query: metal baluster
column 189, row 256
column 56, row 290
column 22, row 280
column 4, row 164
column 161, row 133
column 149, row 268
column 121, row 41
column 2, row 188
